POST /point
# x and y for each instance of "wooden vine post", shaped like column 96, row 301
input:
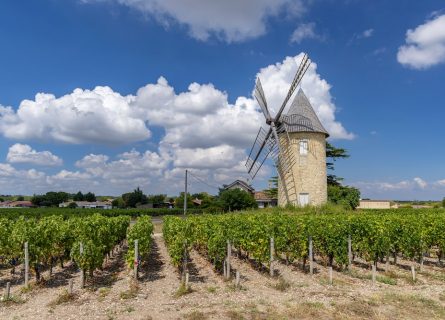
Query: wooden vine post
column 70, row 287
column 349, row 252
column 229, row 253
column 237, row 279
column 26, row 264
column 272, row 253
column 373, row 273
column 82, row 271
column 330, row 275
column 7, row 291
column 311, row 260
column 136, row 259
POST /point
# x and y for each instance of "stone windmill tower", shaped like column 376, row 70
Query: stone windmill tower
column 297, row 143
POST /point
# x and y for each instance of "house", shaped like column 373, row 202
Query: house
column 264, row 200
column 377, row 204
column 239, row 184
column 88, row 205
column 16, row 204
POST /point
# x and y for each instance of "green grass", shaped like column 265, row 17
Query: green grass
column 183, row 290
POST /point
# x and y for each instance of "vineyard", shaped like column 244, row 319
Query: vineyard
column 14, row 213
column 374, row 237
column 247, row 265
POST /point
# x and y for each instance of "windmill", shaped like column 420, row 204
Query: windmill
column 300, row 125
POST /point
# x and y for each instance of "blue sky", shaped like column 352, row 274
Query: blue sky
column 132, row 92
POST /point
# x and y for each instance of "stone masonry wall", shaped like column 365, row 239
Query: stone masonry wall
column 307, row 173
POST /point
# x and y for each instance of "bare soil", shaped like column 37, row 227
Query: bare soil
column 291, row 294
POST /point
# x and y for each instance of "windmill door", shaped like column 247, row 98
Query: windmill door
column 303, row 199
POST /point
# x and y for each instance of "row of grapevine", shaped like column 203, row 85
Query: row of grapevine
column 142, row 232
column 53, row 238
column 15, row 213
column 375, row 235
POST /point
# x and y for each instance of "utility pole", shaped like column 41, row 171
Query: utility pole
column 185, row 193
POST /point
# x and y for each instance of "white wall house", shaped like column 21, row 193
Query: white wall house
column 88, row 205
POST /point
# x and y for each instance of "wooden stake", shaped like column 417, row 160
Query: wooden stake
column 229, row 253
column 224, row 269
column 26, row 265
column 272, row 253
column 70, row 286
column 373, row 273
column 387, row 262
column 349, row 252
column 187, row 280
column 311, row 260
column 413, row 273
column 7, row 291
column 237, row 279
column 421, row 263
column 136, row 259
column 330, row 275
column 82, row 271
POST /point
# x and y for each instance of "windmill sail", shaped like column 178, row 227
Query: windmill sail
column 262, row 147
column 305, row 63
column 261, row 98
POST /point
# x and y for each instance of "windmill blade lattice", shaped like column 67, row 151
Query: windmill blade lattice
column 262, row 147
column 261, row 98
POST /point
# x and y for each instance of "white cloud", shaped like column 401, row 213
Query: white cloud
column 420, row 183
column 393, row 186
column 425, row 45
column 440, row 183
column 204, row 132
column 361, row 35
column 229, row 20
column 366, row 34
column 304, row 31
column 23, row 153
column 99, row 116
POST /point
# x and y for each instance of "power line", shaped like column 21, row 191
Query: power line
column 202, row 181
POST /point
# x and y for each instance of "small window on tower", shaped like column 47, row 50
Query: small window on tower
column 304, row 146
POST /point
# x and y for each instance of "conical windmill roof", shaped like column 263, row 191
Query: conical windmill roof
column 301, row 116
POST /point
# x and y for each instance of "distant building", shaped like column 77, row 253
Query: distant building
column 261, row 197
column 88, row 205
column 264, row 200
column 377, row 204
column 239, row 184
column 16, row 204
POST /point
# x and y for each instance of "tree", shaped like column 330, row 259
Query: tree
column 207, row 201
column 349, row 197
column 443, row 202
column 118, row 203
column 237, row 199
column 78, row 196
column 90, row 197
column 134, row 198
column 72, row 205
column 50, row 199
column 156, row 199
column 179, row 201
column 332, row 154
column 20, row 198
column 272, row 192
column 56, row 197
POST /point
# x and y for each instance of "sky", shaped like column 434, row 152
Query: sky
column 108, row 95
